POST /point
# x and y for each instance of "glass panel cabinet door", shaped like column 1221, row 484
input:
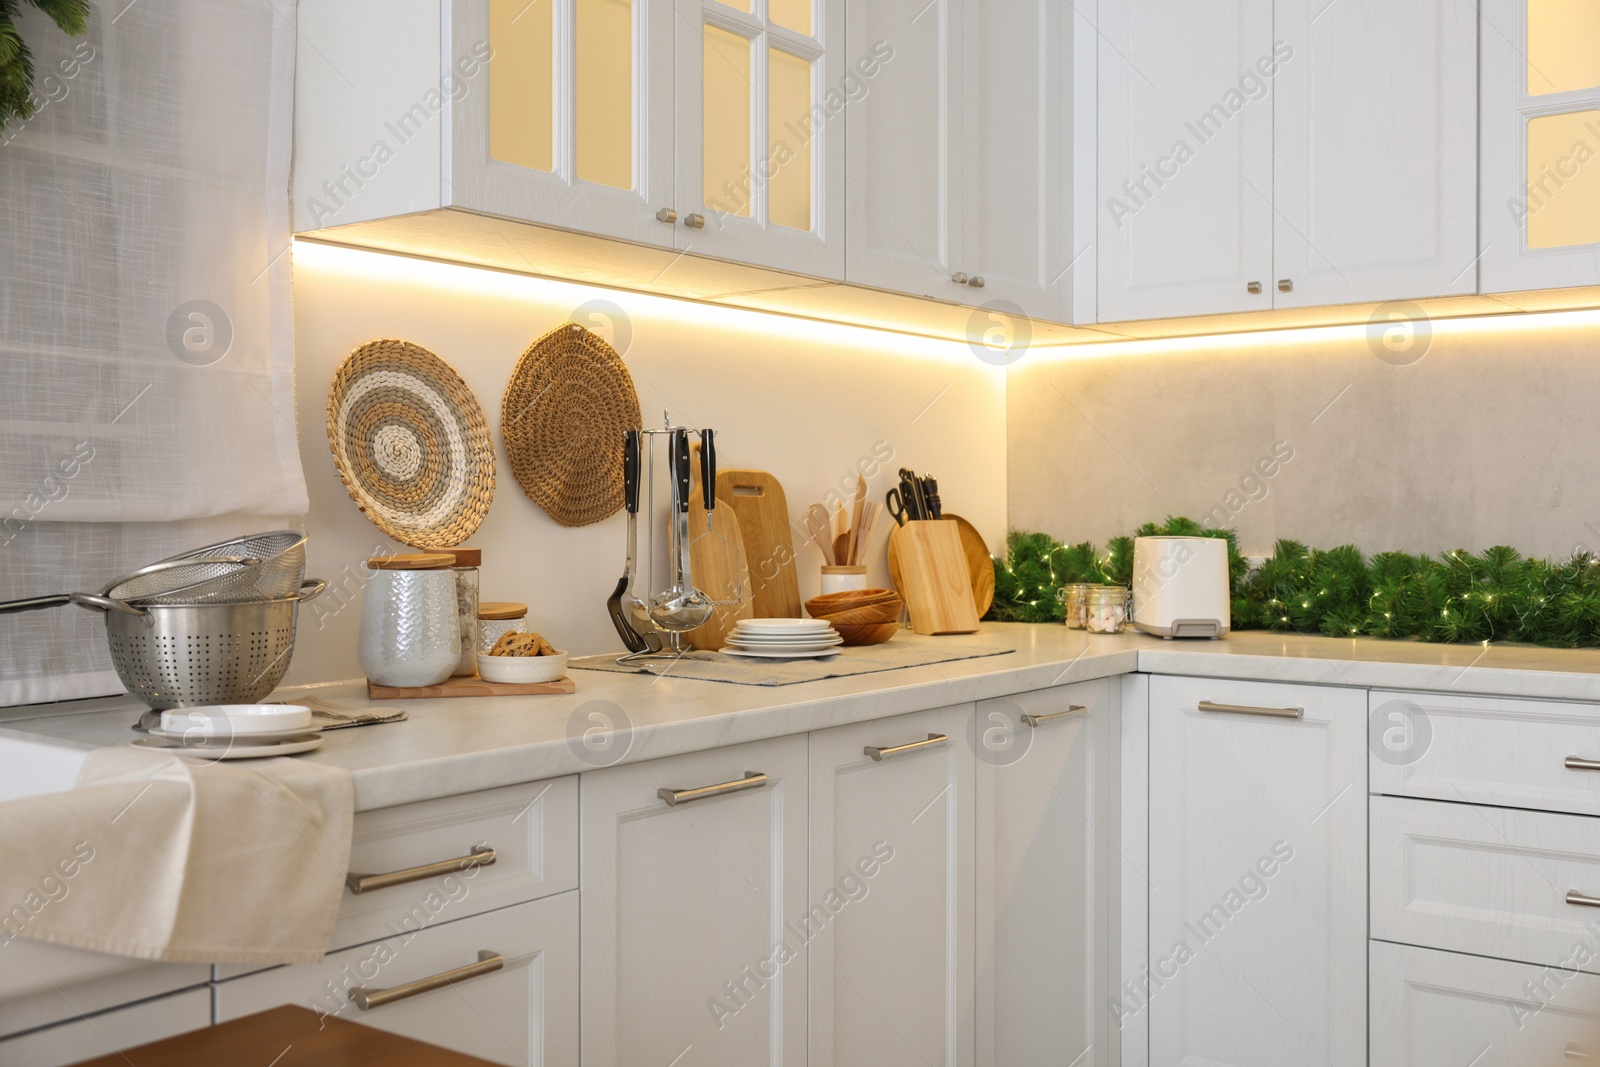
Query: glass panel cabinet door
column 1541, row 151
column 574, row 125
column 761, row 96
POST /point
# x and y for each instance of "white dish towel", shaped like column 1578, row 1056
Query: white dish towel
column 162, row 858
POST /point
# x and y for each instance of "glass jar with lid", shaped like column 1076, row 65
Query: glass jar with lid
column 1074, row 596
column 410, row 626
column 499, row 617
column 1106, row 608
column 466, row 562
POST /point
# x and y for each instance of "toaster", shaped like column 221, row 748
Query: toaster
column 1180, row 586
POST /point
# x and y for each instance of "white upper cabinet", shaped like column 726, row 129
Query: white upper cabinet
column 1375, row 151
column 762, row 90
column 905, row 198
column 1259, row 155
column 1541, row 142
column 1185, row 158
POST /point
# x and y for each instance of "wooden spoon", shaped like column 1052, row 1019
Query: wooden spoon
column 855, row 520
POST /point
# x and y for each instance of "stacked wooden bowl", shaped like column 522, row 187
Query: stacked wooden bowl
column 862, row 616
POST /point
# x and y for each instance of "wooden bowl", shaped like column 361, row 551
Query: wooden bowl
column 867, row 633
column 888, row 611
column 832, row 603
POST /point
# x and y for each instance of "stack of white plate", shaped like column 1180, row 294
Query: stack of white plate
column 784, row 639
column 236, row 731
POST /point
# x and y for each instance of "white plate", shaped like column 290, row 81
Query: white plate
column 828, row 653
column 782, row 626
column 197, row 736
column 801, row 639
column 239, row 719
column 234, row 751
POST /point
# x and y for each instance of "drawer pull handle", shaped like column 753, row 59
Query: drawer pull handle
column 1574, row 1052
column 367, row 999
column 674, row 797
column 1246, row 709
column 1583, row 900
column 1578, row 763
column 1035, row 720
column 481, row 856
column 881, row 754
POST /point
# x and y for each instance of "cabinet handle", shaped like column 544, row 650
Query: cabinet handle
column 1246, row 709
column 1035, row 720
column 1578, row 763
column 694, row 221
column 674, row 797
column 881, row 754
column 1253, row 288
column 481, row 856
column 1583, row 900
column 1285, row 285
column 1575, row 1052
column 666, row 214
column 367, row 999
column 959, row 277
column 976, row 281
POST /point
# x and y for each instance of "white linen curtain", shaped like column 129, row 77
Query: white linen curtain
column 146, row 348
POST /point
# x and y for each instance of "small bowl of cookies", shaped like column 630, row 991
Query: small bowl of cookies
column 522, row 658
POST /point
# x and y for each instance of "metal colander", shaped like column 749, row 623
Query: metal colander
column 187, row 655
column 263, row 566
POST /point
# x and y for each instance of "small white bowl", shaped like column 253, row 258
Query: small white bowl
column 522, row 669
column 237, row 720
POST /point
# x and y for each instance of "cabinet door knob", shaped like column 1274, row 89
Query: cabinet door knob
column 959, row 277
column 1253, row 287
column 666, row 214
column 1285, row 285
column 694, row 221
column 976, row 281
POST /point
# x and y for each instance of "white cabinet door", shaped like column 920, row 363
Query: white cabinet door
column 523, row 1012
column 111, row 1032
column 1185, row 158
column 1440, row 1009
column 761, row 94
column 690, row 911
column 891, row 918
column 572, row 123
column 906, row 204
column 1375, row 151
column 1258, row 874
column 1045, row 877
column 1541, row 140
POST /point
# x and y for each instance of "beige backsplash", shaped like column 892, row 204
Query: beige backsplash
column 1490, row 438
column 805, row 401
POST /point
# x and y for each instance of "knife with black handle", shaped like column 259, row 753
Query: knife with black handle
column 930, row 497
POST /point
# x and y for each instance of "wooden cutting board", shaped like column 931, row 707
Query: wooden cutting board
column 979, row 565
column 717, row 565
column 471, row 686
column 756, row 497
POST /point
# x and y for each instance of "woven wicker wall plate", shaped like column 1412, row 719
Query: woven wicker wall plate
column 411, row 443
column 565, row 409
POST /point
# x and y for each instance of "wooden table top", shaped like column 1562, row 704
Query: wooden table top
column 296, row 1036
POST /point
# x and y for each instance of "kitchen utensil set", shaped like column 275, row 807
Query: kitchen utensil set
column 846, row 545
column 914, row 498
column 783, row 639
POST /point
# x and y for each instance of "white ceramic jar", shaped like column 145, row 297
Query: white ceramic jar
column 843, row 579
column 410, row 622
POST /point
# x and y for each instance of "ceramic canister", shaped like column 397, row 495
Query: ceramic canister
column 410, row 622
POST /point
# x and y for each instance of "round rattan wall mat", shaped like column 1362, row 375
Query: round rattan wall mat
column 410, row 441
column 565, row 409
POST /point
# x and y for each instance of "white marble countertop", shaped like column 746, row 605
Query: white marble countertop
column 462, row 745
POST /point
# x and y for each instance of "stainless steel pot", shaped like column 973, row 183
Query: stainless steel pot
column 186, row 655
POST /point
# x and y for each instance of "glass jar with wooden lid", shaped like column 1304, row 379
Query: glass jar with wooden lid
column 497, row 618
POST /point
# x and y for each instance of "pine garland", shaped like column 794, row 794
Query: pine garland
column 16, row 62
column 1495, row 595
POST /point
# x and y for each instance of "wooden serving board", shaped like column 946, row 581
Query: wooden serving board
column 756, row 497
column 717, row 564
column 979, row 564
column 471, row 687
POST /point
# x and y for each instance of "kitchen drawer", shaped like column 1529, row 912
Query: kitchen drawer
column 41, row 984
column 524, row 1013
column 1439, row 1009
column 110, row 1032
column 532, row 828
column 1491, row 881
column 1487, row 750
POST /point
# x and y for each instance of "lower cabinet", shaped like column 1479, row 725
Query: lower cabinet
column 890, row 921
column 110, row 1032
column 1441, row 1009
column 1045, row 877
column 522, row 1008
column 1258, row 875
column 694, row 910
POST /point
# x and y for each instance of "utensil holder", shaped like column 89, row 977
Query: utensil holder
column 936, row 583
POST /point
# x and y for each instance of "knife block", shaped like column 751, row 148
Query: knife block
column 934, row 578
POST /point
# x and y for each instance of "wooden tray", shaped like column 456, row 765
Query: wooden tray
column 471, row 687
